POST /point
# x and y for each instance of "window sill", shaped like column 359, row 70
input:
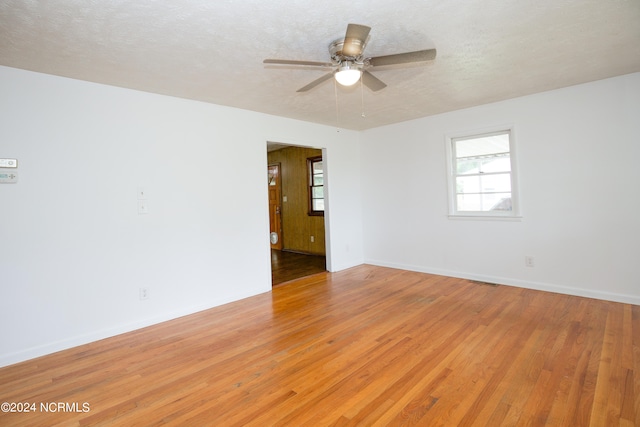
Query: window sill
column 515, row 218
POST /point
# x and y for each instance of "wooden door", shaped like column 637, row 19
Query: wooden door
column 275, row 206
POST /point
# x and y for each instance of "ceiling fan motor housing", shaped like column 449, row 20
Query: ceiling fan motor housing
column 339, row 53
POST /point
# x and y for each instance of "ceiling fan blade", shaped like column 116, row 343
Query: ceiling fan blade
column 403, row 58
column 354, row 39
column 294, row 62
column 372, row 82
column 316, row 82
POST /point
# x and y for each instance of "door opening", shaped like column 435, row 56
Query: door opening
column 297, row 233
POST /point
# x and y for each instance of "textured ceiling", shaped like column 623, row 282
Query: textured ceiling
column 488, row 50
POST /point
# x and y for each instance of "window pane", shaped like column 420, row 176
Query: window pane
column 273, row 174
column 482, row 146
column 315, row 185
column 503, row 202
column 464, row 166
column 468, row 184
column 484, row 202
column 500, row 163
column 496, row 183
column 469, row 202
column 317, row 167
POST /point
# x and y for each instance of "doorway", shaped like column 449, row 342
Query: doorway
column 296, row 228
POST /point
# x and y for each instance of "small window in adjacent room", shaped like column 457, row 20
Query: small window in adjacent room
column 316, row 186
column 482, row 175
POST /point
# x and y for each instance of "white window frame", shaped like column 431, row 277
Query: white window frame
column 454, row 213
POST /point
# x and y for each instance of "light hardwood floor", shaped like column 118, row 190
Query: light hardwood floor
column 365, row 346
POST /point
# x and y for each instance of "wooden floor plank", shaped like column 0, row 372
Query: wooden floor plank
column 366, row 346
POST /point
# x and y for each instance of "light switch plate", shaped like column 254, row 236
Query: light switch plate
column 143, row 207
column 8, row 163
column 142, row 193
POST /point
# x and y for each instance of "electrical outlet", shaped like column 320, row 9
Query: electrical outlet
column 313, row 239
column 528, row 261
column 144, row 293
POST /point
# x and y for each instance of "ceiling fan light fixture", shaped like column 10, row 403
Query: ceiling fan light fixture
column 348, row 75
column 349, row 64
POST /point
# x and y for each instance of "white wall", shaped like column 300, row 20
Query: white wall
column 73, row 249
column 578, row 152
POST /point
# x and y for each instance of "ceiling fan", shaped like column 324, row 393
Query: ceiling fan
column 350, row 64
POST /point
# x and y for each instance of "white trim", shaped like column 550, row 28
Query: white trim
column 515, row 214
column 486, row 217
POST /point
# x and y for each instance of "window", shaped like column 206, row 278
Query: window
column 316, row 186
column 482, row 176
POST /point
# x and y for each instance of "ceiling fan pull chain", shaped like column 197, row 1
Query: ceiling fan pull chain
column 335, row 90
column 362, row 99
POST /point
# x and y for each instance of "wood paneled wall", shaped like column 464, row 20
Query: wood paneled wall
column 297, row 225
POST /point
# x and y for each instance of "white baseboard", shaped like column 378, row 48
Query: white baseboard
column 548, row 287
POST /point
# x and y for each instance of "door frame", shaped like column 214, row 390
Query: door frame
column 327, row 193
